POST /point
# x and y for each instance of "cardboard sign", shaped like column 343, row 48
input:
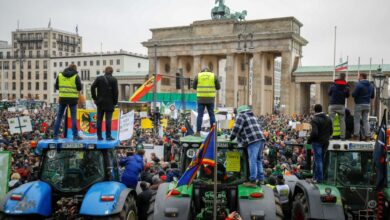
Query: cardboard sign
column 146, row 123
column 20, row 125
column 233, row 163
column 126, row 126
column 5, row 168
column 306, row 126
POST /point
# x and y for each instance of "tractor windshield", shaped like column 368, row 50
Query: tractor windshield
column 72, row 170
column 349, row 168
column 231, row 168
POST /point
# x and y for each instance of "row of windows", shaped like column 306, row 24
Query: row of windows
column 38, row 36
column 91, row 63
column 31, row 54
column 6, row 64
column 37, row 75
column 29, row 84
column 13, row 96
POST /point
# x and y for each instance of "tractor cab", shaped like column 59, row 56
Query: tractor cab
column 77, row 180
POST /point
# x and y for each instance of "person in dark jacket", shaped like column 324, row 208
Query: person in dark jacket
column 105, row 98
column 363, row 93
column 338, row 92
column 205, row 84
column 69, row 85
column 348, row 124
column 321, row 130
column 143, row 201
column 134, row 165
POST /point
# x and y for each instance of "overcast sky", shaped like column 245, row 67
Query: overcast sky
column 363, row 25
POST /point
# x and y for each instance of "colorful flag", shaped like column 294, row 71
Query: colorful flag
column 205, row 155
column 342, row 66
column 380, row 155
column 144, row 89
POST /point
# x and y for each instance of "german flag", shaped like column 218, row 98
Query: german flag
column 144, row 89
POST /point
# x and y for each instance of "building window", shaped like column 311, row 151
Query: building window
column 13, row 65
column 85, row 63
column 45, row 64
column 91, row 62
column 21, row 75
column 15, row 45
column 268, row 80
column 29, row 64
column 139, row 65
column 45, row 44
column 54, row 35
column 104, row 62
column 54, row 53
column 66, row 64
column 118, row 62
column 44, row 96
column 242, row 80
column 78, row 63
column 1, row 55
column 97, row 62
column 88, row 75
column 55, row 64
column 29, row 86
column 55, row 75
column 29, row 75
column 6, row 65
column 37, row 64
column 14, row 86
column 45, row 35
column 21, row 86
column 36, row 75
column 45, row 75
column 117, row 70
column 165, row 81
column 54, row 45
column 21, row 96
column 37, row 86
column 46, row 53
column 13, row 75
column 60, row 54
column 38, row 53
column 111, row 62
column 97, row 72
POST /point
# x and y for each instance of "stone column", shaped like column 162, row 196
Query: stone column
column 319, row 93
column 287, row 93
column 325, row 97
column 196, row 65
column 231, row 87
column 302, row 98
column 173, row 65
column 258, row 83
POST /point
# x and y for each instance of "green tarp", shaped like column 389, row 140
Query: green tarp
column 169, row 97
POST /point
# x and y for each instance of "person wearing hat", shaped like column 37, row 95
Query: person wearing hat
column 134, row 165
column 205, row 84
column 247, row 129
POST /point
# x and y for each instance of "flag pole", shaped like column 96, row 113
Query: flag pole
column 346, row 78
column 358, row 66
column 215, row 173
column 334, row 54
column 369, row 78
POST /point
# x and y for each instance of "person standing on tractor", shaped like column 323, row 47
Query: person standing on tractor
column 247, row 129
column 206, row 84
column 338, row 92
column 321, row 130
column 69, row 85
column 105, row 99
column 363, row 93
column 134, row 165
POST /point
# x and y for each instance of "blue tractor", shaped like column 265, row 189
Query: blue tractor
column 77, row 180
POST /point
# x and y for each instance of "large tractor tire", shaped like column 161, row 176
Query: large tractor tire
column 300, row 210
column 150, row 212
column 129, row 211
column 278, row 207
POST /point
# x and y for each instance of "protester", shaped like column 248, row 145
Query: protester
column 69, row 85
column 363, row 93
column 15, row 181
column 319, row 139
column 283, row 191
column 338, row 93
column 206, row 84
column 248, row 132
column 104, row 91
column 143, row 201
column 133, row 167
column 348, row 124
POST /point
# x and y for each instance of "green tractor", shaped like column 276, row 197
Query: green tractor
column 348, row 189
column 196, row 200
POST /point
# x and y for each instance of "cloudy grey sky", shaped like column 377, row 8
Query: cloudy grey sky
column 363, row 25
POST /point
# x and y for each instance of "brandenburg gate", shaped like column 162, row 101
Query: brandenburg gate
column 235, row 43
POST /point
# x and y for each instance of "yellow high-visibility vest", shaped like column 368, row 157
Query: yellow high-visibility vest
column 336, row 126
column 206, row 85
column 67, row 86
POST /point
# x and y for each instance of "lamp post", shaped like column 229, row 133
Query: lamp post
column 20, row 60
column 246, row 37
column 379, row 82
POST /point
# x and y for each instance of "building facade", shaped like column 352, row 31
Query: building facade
column 26, row 61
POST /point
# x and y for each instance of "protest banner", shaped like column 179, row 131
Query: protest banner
column 126, row 126
column 146, row 123
column 19, row 125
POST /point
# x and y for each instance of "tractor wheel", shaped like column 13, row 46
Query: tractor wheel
column 300, row 210
column 129, row 211
column 278, row 207
column 150, row 212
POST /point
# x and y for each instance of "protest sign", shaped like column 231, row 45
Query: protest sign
column 126, row 126
column 19, row 125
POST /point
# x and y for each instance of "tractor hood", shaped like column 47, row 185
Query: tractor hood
column 30, row 198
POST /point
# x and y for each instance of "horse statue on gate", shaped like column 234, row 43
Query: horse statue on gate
column 221, row 11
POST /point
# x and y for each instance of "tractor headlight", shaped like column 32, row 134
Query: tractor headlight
column 185, row 145
column 195, row 145
column 91, row 146
column 328, row 191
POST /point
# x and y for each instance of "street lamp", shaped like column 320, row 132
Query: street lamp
column 20, row 60
column 379, row 81
column 245, row 37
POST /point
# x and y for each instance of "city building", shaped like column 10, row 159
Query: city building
column 91, row 65
column 25, row 63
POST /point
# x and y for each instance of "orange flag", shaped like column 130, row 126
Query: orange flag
column 144, row 89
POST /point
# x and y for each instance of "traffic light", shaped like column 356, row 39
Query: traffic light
column 178, row 81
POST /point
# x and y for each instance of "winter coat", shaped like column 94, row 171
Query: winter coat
column 133, row 167
column 338, row 92
column 69, row 73
column 364, row 92
column 106, row 96
column 321, row 129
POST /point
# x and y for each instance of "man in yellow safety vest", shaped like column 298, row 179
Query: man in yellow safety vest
column 206, row 84
column 69, row 85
